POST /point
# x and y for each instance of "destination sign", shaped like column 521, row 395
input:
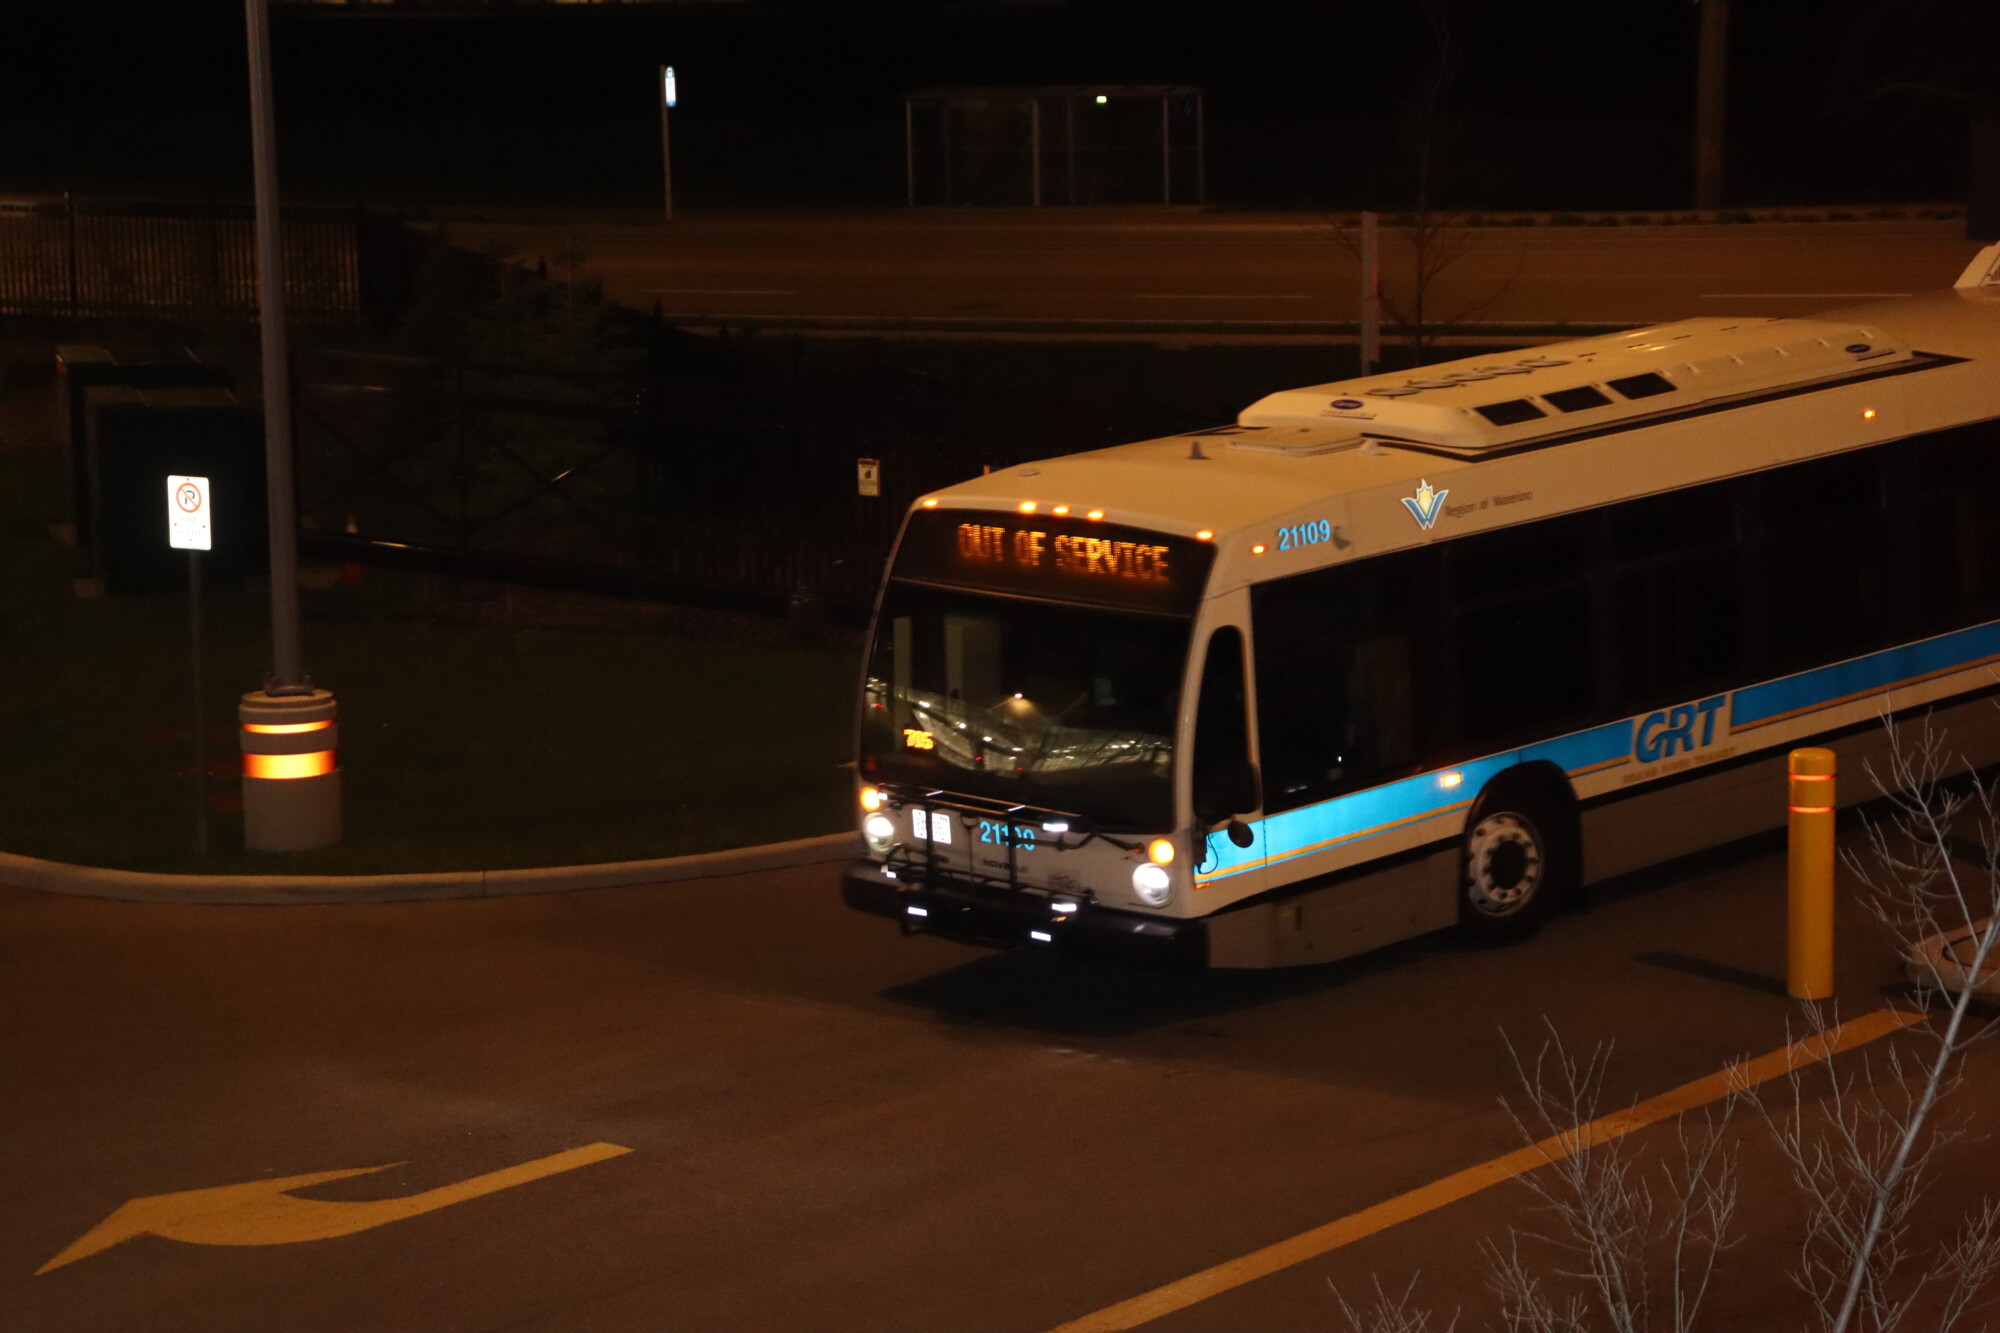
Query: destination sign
column 1068, row 558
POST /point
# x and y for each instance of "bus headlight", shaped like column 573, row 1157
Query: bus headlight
column 1152, row 884
column 879, row 829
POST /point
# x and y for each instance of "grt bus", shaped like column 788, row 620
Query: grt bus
column 1404, row 652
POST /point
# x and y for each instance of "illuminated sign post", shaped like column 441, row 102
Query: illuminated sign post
column 189, row 529
column 669, row 94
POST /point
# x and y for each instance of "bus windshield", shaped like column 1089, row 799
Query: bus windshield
column 1034, row 703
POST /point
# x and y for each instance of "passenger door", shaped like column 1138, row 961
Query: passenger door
column 1223, row 778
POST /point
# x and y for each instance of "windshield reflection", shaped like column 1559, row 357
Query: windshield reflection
column 1029, row 702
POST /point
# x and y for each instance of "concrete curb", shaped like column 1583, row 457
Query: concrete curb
column 134, row 886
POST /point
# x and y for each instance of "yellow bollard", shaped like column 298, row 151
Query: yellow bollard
column 1809, row 880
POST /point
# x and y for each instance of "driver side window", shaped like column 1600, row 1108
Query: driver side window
column 1221, row 720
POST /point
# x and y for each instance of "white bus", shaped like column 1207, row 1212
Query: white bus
column 1410, row 651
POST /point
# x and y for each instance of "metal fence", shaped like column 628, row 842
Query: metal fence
column 122, row 258
column 715, row 477
column 726, row 493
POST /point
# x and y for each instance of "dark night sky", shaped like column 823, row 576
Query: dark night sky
column 1557, row 104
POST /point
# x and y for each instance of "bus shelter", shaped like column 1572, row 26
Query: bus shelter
column 1076, row 144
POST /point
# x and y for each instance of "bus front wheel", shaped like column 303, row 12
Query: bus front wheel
column 1514, row 865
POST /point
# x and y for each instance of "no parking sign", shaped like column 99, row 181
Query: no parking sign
column 187, row 513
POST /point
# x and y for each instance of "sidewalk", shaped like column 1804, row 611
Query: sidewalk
column 278, row 890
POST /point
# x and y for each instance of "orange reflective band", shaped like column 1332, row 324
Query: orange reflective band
column 312, row 765
column 285, row 728
column 1812, row 777
column 1810, row 809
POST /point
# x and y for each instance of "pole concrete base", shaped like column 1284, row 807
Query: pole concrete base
column 291, row 777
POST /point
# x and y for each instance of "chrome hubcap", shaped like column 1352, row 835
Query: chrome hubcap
column 1503, row 864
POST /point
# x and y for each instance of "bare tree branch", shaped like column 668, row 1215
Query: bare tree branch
column 1864, row 1159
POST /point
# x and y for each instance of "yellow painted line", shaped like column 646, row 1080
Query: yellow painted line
column 1429, row 1198
column 262, row 1212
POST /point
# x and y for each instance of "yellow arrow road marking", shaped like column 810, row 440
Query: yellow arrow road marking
column 1151, row 1305
column 262, row 1212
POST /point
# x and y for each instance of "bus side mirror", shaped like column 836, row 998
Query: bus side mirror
column 1227, row 790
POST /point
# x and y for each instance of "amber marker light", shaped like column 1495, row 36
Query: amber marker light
column 1258, row 549
column 1026, row 506
column 930, row 504
column 1867, row 414
column 1095, row 514
column 288, row 765
column 1160, row 851
column 1450, row 780
column 1060, row 510
column 871, row 798
column 1204, row 536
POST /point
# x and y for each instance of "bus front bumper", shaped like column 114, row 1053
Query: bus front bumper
column 994, row 915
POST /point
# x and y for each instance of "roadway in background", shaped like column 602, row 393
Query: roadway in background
column 830, row 1127
column 975, row 268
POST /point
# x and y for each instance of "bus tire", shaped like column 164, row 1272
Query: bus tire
column 1517, row 862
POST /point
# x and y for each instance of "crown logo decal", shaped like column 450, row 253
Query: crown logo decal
column 1425, row 504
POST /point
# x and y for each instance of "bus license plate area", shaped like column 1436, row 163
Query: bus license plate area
column 988, row 848
column 950, row 828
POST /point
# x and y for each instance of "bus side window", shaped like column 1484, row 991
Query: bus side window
column 1522, row 601
column 1221, row 723
column 1958, row 489
column 1338, row 669
column 1676, row 595
column 1826, row 561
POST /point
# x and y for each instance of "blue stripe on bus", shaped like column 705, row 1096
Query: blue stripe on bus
column 1346, row 818
column 1760, row 704
column 1312, row 828
column 1596, row 748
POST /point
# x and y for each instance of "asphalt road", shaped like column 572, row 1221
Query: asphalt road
column 829, row 1127
column 1268, row 270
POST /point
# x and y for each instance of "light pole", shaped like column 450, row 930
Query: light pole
column 668, row 96
column 291, row 784
column 1711, row 104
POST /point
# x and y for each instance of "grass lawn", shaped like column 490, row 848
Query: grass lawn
column 470, row 743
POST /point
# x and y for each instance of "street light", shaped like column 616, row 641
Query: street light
column 668, row 96
column 291, row 783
